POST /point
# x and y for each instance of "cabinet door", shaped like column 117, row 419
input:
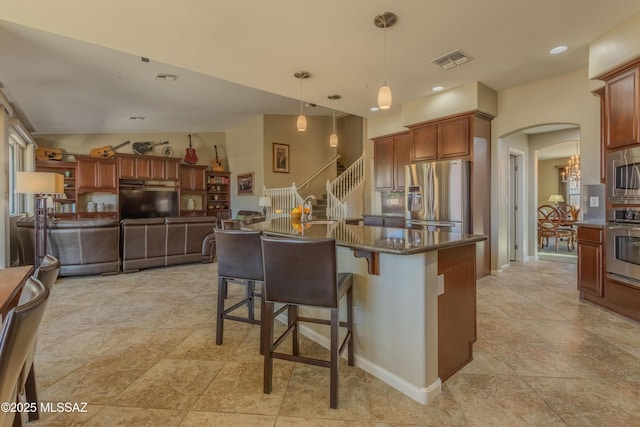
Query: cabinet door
column 453, row 138
column 157, row 169
column 107, row 175
column 87, row 174
column 402, row 157
column 425, row 143
column 590, row 262
column 621, row 99
column 199, row 177
column 383, row 163
column 172, row 169
column 143, row 168
column 127, row 167
column 590, row 268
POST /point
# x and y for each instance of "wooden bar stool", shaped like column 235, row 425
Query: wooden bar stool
column 239, row 260
column 304, row 273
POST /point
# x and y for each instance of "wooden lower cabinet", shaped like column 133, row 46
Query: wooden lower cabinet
column 590, row 260
column 456, row 309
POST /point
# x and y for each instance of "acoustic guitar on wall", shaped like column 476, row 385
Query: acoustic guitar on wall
column 190, row 155
column 216, row 166
column 146, row 146
column 45, row 153
column 106, row 151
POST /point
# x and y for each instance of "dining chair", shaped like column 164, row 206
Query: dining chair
column 550, row 226
column 17, row 337
column 47, row 273
column 303, row 272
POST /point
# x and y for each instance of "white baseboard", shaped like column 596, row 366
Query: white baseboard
column 421, row 395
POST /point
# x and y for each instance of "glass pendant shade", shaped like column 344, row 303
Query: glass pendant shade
column 333, row 140
column 384, row 97
column 301, row 123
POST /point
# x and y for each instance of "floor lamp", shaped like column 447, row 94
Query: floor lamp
column 40, row 184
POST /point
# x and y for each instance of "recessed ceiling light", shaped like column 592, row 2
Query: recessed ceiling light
column 558, row 49
column 437, row 88
column 375, row 108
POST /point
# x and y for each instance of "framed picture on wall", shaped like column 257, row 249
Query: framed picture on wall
column 245, row 184
column 280, row 157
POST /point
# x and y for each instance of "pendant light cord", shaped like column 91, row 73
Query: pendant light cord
column 384, row 53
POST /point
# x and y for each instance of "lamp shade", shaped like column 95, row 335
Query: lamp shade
column 556, row 198
column 333, row 140
column 264, row 201
column 384, row 97
column 39, row 183
column 301, row 123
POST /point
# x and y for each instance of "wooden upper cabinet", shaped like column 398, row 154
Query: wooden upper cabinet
column 622, row 98
column 401, row 158
column 96, row 175
column 391, row 154
column 383, row 163
column 425, row 143
column 444, row 139
column 148, row 167
column 454, row 138
column 192, row 177
column 171, row 169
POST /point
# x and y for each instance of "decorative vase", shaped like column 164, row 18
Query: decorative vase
column 191, row 205
column 100, row 207
column 91, row 207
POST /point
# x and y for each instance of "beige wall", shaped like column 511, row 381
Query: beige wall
column 308, row 152
column 244, row 148
column 618, row 47
column 548, row 183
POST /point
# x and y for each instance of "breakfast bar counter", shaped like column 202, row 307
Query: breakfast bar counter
column 414, row 296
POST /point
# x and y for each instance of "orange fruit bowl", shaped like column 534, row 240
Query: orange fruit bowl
column 296, row 216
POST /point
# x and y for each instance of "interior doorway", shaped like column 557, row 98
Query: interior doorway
column 558, row 186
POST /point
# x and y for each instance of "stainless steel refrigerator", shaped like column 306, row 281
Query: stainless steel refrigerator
column 437, row 195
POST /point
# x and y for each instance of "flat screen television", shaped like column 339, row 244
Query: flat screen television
column 147, row 203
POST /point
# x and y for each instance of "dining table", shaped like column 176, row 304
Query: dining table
column 11, row 282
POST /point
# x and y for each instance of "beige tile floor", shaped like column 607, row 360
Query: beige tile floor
column 139, row 348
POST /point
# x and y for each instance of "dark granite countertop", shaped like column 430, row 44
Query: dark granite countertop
column 398, row 241
column 594, row 224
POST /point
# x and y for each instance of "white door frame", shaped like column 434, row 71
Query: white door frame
column 516, row 199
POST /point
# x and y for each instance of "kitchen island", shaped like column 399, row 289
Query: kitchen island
column 413, row 328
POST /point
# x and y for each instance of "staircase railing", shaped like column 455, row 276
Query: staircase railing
column 342, row 186
column 319, row 171
column 283, row 199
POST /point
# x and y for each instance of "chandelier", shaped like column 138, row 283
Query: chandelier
column 571, row 172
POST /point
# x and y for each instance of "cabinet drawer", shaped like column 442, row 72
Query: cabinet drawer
column 590, row 234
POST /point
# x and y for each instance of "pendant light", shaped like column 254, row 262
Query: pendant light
column 333, row 139
column 301, row 123
column 385, row 20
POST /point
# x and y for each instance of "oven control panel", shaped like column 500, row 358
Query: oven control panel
column 626, row 215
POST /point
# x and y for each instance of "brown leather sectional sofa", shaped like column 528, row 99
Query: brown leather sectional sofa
column 157, row 242
column 82, row 246
column 102, row 246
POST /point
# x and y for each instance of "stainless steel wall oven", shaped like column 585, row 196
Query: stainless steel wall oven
column 623, row 245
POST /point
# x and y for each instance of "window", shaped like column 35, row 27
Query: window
column 17, row 148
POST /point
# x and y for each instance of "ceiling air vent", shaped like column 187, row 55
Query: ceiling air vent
column 451, row 59
column 166, row 77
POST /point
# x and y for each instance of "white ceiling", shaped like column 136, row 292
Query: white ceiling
column 74, row 66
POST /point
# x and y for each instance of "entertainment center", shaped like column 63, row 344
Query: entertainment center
column 137, row 186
